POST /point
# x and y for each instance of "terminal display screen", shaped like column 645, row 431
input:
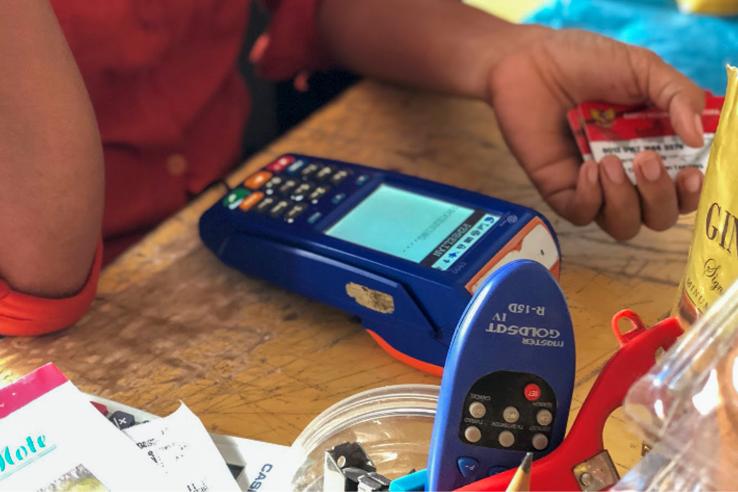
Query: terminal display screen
column 415, row 227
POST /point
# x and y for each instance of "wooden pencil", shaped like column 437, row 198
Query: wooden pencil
column 521, row 480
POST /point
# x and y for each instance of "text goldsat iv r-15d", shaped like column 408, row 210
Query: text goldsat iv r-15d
column 401, row 253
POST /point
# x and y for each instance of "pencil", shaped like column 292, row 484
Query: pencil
column 521, row 480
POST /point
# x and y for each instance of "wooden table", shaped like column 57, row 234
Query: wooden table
column 170, row 322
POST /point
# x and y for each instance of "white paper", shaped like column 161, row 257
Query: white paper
column 268, row 467
column 181, row 446
column 59, row 442
column 260, row 466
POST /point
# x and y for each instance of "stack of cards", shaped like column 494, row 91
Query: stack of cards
column 602, row 129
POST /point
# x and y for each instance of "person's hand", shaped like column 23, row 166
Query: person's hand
column 531, row 91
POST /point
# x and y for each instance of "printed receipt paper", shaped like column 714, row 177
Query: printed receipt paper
column 52, row 438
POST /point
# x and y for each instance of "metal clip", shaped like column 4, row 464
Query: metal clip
column 596, row 473
column 345, row 466
column 373, row 482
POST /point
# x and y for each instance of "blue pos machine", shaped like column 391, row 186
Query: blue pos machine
column 401, row 253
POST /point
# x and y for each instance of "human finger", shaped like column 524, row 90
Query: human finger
column 621, row 211
column 688, row 185
column 659, row 205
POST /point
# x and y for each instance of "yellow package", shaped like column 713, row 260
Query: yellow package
column 711, row 7
column 713, row 258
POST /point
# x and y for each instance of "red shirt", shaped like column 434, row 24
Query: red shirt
column 171, row 108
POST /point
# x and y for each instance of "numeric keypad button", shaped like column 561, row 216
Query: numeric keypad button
column 317, row 193
column 309, row 170
column 279, row 208
column 506, row 439
column 544, row 417
column 324, row 173
column 339, row 176
column 295, row 212
column 510, row 415
column 472, row 434
column 540, row 441
column 288, row 186
column 477, row 410
column 265, row 205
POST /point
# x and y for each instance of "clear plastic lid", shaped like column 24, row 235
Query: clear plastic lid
column 393, row 424
column 687, row 406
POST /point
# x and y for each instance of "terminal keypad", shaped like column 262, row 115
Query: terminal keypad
column 289, row 188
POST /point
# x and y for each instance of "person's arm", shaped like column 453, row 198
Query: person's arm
column 441, row 45
column 531, row 76
column 51, row 164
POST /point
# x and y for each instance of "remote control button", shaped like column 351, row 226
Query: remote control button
column 250, row 201
column 362, row 179
column 279, row 208
column 288, row 186
column 472, row 433
column 265, row 204
column 324, row 173
column 544, row 417
column 540, row 441
column 280, row 164
column 338, row 198
column 314, row 218
column 317, row 193
column 532, row 392
column 510, row 415
column 233, row 199
column 339, row 176
column 257, row 180
column 468, row 467
column 309, row 169
column 295, row 212
column 477, row 410
column 506, row 439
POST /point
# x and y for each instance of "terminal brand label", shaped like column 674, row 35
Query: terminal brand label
column 528, row 334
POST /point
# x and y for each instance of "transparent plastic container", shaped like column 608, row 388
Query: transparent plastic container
column 392, row 423
column 687, row 408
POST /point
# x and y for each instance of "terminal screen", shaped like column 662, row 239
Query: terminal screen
column 425, row 230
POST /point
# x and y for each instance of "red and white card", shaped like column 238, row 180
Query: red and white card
column 602, row 129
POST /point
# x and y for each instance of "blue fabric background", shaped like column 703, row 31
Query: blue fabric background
column 699, row 46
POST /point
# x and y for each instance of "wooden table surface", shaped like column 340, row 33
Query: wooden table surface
column 171, row 323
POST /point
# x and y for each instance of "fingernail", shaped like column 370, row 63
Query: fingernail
column 693, row 183
column 698, row 125
column 591, row 173
column 650, row 168
column 614, row 170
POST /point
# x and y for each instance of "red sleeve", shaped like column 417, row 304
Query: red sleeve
column 24, row 315
column 291, row 46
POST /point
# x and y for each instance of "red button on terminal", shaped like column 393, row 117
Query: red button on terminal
column 532, row 392
column 280, row 164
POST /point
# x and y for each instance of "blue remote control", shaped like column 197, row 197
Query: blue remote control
column 508, row 378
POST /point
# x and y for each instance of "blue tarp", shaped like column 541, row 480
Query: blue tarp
column 697, row 45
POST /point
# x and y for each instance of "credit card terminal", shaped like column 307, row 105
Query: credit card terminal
column 401, row 253
column 507, row 381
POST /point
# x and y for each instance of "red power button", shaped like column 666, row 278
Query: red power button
column 532, row 392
